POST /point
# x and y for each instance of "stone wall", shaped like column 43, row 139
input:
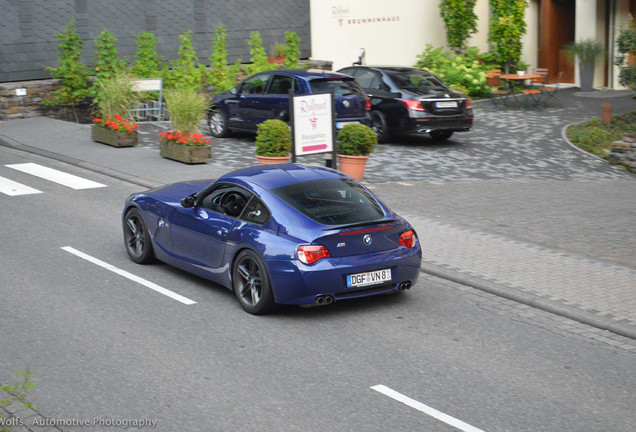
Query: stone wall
column 623, row 154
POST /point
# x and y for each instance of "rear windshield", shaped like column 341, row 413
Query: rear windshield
column 416, row 81
column 340, row 87
column 331, row 202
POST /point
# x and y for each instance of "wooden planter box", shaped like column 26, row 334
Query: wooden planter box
column 113, row 138
column 185, row 154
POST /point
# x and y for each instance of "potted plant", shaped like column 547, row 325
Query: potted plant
column 277, row 53
column 273, row 142
column 114, row 98
column 184, row 142
column 586, row 51
column 355, row 142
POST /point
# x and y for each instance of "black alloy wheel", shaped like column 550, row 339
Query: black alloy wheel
column 137, row 239
column 379, row 126
column 251, row 284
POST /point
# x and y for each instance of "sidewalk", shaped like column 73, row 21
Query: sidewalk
column 585, row 288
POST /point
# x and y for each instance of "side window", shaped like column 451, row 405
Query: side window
column 227, row 199
column 256, row 212
column 255, row 84
column 282, row 84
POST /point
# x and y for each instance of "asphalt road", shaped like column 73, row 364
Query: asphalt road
column 105, row 347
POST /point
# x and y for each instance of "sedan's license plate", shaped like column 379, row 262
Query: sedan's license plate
column 449, row 104
column 369, row 278
column 340, row 125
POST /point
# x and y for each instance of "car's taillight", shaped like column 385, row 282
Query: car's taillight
column 408, row 239
column 309, row 254
column 469, row 104
column 412, row 105
column 367, row 104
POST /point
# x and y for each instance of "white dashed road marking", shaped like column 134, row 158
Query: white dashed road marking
column 130, row 276
column 56, row 176
column 11, row 188
column 452, row 421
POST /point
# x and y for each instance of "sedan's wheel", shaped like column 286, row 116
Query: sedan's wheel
column 251, row 284
column 136, row 238
column 379, row 126
column 441, row 135
column 218, row 123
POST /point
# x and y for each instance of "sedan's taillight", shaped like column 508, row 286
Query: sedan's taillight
column 367, row 104
column 469, row 104
column 309, row 254
column 412, row 105
column 408, row 239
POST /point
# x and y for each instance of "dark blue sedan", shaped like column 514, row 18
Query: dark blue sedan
column 277, row 234
column 265, row 96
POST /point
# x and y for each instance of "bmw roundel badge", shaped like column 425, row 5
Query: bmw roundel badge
column 367, row 239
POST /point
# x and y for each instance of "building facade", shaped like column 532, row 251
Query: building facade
column 28, row 28
column 397, row 32
column 393, row 32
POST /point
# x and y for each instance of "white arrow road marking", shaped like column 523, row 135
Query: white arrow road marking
column 130, row 276
column 56, row 176
column 452, row 421
column 11, row 188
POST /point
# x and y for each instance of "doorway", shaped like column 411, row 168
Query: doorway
column 556, row 30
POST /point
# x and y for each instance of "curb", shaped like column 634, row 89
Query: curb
column 532, row 300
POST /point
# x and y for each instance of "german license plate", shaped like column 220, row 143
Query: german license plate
column 447, row 104
column 368, row 278
column 340, row 125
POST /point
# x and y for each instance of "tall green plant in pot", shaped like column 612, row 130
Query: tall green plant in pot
column 586, row 51
column 184, row 142
column 355, row 142
column 113, row 102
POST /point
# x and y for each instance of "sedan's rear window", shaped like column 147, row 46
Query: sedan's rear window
column 331, row 202
column 416, row 81
column 341, row 87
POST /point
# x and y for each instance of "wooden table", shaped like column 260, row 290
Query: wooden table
column 516, row 77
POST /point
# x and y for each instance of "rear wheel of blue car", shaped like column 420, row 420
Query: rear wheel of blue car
column 218, row 123
column 137, row 238
column 251, row 284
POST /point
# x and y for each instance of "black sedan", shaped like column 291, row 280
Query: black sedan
column 408, row 100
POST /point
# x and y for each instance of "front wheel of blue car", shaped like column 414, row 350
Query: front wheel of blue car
column 137, row 238
column 251, row 284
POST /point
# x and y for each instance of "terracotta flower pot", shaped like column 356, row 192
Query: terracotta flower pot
column 272, row 160
column 353, row 166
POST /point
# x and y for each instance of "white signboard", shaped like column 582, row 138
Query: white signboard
column 313, row 124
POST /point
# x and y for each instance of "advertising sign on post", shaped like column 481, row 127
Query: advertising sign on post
column 312, row 124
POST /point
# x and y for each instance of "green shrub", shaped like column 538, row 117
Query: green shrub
column 187, row 72
column 461, row 72
column 292, row 50
column 107, row 62
column 259, row 55
column 596, row 138
column 72, row 73
column 148, row 63
column 273, row 138
column 356, row 140
column 589, row 138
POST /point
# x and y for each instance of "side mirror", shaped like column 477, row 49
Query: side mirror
column 234, row 91
column 189, row 201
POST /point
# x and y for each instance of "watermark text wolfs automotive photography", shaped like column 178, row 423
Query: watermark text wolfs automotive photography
column 81, row 422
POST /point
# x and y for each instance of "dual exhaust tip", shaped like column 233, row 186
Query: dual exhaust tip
column 324, row 300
